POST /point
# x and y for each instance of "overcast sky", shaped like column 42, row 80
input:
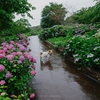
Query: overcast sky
column 70, row 5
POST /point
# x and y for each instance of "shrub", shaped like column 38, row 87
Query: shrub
column 63, row 31
column 84, row 49
column 14, row 68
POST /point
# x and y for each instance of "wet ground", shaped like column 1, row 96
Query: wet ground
column 57, row 79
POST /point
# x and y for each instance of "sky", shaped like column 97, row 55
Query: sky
column 70, row 5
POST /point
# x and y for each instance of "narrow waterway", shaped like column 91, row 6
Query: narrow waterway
column 57, row 80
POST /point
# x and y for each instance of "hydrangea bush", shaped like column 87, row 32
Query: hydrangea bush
column 14, row 68
column 73, row 29
column 84, row 49
column 82, row 42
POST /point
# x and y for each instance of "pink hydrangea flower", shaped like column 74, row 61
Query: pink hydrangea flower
column 19, row 53
column 33, row 72
column 2, row 82
column 11, row 61
column 8, row 75
column 4, row 44
column 26, row 54
column 10, row 57
column 9, row 46
column 14, row 53
column 14, row 65
column 32, row 95
column 33, row 60
column 12, row 42
column 1, row 56
column 4, row 49
column 2, row 68
column 3, row 53
column 30, row 57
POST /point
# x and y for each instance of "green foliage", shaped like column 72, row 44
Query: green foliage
column 9, row 7
column 20, row 26
column 87, row 15
column 53, row 14
column 35, row 30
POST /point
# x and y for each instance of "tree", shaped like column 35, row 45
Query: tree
column 88, row 15
column 21, row 25
column 53, row 14
column 9, row 7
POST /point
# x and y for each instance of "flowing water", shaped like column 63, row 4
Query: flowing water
column 57, row 79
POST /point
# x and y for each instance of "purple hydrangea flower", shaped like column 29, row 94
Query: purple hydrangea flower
column 29, row 49
column 22, row 48
column 33, row 66
column 13, row 48
column 19, row 61
column 2, row 68
column 22, row 58
column 8, row 75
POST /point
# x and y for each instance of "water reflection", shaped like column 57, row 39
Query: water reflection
column 46, row 64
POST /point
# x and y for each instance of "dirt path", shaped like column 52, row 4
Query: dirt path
column 57, row 80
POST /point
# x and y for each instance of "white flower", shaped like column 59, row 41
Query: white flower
column 64, row 53
column 83, row 36
column 22, row 95
column 77, row 35
column 69, row 49
column 73, row 37
column 95, row 60
column 76, row 59
column 75, row 55
column 3, row 93
column 96, row 48
column 97, row 34
column 70, row 41
column 90, row 55
column 67, row 46
column 88, row 38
